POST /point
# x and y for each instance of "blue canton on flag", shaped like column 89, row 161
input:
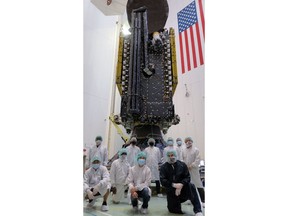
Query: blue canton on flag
column 187, row 17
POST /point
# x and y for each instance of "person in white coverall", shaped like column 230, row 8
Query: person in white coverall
column 179, row 148
column 139, row 180
column 97, row 183
column 170, row 146
column 191, row 158
column 153, row 161
column 99, row 150
column 132, row 151
column 118, row 174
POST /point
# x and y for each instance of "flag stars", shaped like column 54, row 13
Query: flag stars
column 187, row 17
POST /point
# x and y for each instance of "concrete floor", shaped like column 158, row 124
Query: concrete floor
column 157, row 207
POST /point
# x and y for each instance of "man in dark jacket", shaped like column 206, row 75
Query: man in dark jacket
column 175, row 177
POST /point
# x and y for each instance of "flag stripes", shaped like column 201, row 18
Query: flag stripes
column 191, row 36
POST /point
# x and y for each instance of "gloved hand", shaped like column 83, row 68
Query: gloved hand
column 90, row 194
column 95, row 189
column 178, row 191
column 177, row 185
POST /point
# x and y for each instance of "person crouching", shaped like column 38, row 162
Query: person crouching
column 97, row 183
column 138, row 180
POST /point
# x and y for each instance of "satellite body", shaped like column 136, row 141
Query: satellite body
column 147, row 72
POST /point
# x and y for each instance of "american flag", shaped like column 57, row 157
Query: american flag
column 191, row 27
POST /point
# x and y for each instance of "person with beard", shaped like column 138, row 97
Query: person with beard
column 170, row 146
column 153, row 161
column 191, row 157
column 118, row 174
column 99, row 150
column 132, row 151
column 175, row 177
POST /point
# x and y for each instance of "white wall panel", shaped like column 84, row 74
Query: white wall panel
column 99, row 56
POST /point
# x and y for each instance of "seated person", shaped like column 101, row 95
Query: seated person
column 139, row 179
column 175, row 177
column 96, row 183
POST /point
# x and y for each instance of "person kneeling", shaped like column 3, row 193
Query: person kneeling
column 175, row 177
column 96, row 183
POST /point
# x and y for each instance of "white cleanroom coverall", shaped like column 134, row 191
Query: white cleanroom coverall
column 152, row 161
column 119, row 173
column 132, row 151
column 100, row 151
column 139, row 177
column 100, row 177
column 191, row 158
column 179, row 150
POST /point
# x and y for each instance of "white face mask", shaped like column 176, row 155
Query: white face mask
column 98, row 142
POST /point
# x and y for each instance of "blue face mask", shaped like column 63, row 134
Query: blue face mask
column 95, row 166
column 170, row 143
column 141, row 162
column 179, row 142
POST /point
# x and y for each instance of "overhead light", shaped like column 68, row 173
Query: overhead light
column 125, row 30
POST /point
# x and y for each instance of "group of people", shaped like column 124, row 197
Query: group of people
column 175, row 168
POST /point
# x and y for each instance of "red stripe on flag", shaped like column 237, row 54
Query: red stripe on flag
column 199, row 44
column 181, row 53
column 202, row 17
column 187, row 50
column 193, row 48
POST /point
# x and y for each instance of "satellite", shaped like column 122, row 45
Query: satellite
column 147, row 72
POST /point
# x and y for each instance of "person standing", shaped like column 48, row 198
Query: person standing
column 118, row 173
column 161, row 147
column 139, row 180
column 175, row 177
column 191, row 158
column 132, row 151
column 170, row 146
column 99, row 150
column 153, row 161
column 179, row 148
